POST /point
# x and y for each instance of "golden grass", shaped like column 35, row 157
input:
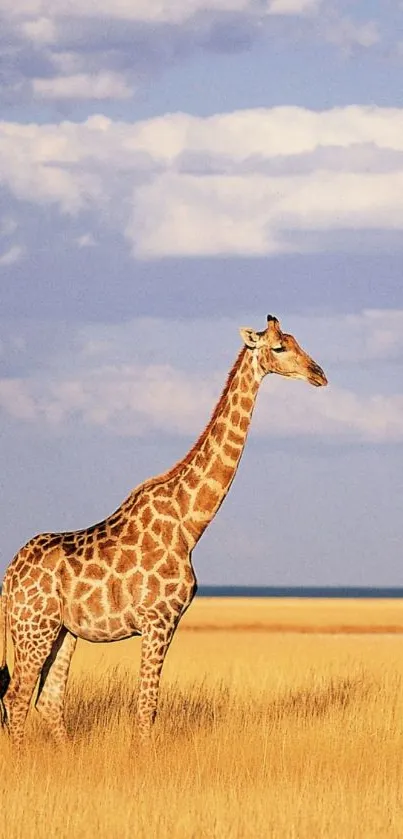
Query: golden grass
column 259, row 734
column 277, row 614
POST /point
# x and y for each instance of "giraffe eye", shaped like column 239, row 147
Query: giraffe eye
column 279, row 349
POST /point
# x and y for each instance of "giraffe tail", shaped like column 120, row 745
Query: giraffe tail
column 4, row 671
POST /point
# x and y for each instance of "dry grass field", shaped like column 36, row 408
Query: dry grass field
column 291, row 734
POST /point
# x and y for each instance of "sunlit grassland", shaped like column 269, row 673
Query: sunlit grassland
column 259, row 733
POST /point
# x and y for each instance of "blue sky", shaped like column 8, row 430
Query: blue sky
column 170, row 171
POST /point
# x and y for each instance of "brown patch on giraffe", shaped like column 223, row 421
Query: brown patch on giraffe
column 47, row 583
column 192, row 527
column 176, row 604
column 235, row 399
column 156, row 527
column 82, row 589
column 19, row 564
column 246, row 403
column 244, row 424
column 50, row 559
column 218, row 432
column 230, row 451
column 78, row 613
column 25, row 614
column 100, row 530
column 167, row 533
column 130, row 621
column 171, row 588
column 89, row 553
column 204, row 454
column 102, row 624
column 221, row 473
column 170, row 568
column 116, row 595
column 64, row 574
column 183, row 499
column 153, row 590
column 95, row 572
column 75, row 565
column 148, row 543
column 189, row 574
column 164, row 490
column 107, row 555
column 162, row 506
column 132, row 532
column 179, row 544
column 244, row 384
column 134, row 585
column 163, row 609
column 127, row 559
column 206, row 499
column 52, row 607
column 115, row 624
column 19, row 597
column 115, row 530
column 234, row 437
column 146, row 517
column 183, row 592
column 150, row 559
column 191, row 479
column 35, row 574
column 94, row 603
column 68, row 544
column 105, row 544
column 37, row 604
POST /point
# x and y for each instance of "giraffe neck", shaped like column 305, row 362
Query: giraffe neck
column 206, row 473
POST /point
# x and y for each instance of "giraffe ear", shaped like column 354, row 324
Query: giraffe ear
column 249, row 336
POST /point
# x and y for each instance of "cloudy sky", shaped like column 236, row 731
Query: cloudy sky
column 171, row 170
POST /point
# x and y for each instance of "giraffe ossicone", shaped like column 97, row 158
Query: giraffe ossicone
column 132, row 573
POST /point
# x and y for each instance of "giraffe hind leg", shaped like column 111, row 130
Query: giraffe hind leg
column 52, row 684
column 31, row 648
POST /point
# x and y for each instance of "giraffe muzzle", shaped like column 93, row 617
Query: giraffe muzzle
column 316, row 376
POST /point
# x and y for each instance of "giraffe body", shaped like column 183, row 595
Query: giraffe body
column 132, row 573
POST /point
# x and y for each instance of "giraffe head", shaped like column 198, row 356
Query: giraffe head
column 277, row 352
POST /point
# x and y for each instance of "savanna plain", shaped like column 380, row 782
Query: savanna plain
column 277, row 718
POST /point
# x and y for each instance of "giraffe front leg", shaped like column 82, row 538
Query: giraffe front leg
column 52, row 684
column 156, row 640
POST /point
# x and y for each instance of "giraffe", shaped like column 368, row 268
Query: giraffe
column 132, row 573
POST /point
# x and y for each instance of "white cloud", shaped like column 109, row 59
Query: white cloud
column 346, row 33
column 293, row 7
column 40, row 30
column 143, row 37
column 131, row 400
column 12, row 255
column 336, row 413
column 158, row 11
column 103, row 85
column 8, row 226
column 249, row 182
column 16, row 399
column 257, row 215
column 85, row 241
column 105, row 379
